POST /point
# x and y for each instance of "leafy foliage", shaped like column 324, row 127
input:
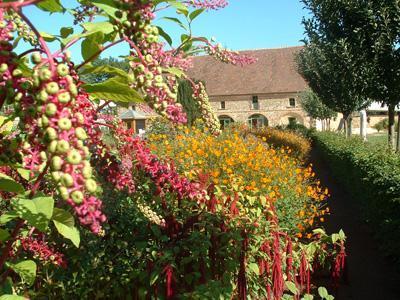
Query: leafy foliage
column 372, row 174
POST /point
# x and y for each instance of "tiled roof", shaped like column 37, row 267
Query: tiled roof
column 274, row 72
column 133, row 115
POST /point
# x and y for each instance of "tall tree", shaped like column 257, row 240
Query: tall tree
column 185, row 97
column 316, row 109
column 327, row 69
column 370, row 34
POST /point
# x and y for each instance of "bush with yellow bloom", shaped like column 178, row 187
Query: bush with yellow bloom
column 234, row 161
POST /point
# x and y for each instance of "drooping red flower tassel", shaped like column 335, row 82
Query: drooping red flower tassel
column 277, row 276
column 169, row 282
column 289, row 259
column 304, row 273
column 338, row 265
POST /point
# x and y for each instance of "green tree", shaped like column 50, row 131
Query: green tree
column 185, row 97
column 370, row 33
column 327, row 70
column 316, row 109
column 103, row 76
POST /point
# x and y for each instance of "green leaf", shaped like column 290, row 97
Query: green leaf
column 51, row 6
column 175, row 71
column 63, row 216
column 12, row 297
column 323, row 292
column 25, row 174
column 4, row 235
column 48, row 37
column 254, row 268
column 291, row 286
column 109, row 7
column 26, row 270
column 194, row 14
column 104, row 27
column 64, row 222
column 7, row 217
column 307, row 297
column 37, row 211
column 103, row 69
column 177, row 21
column 154, row 277
column 165, row 35
column 66, row 31
column 71, row 233
column 8, row 184
column 92, row 45
column 342, row 235
column 113, row 89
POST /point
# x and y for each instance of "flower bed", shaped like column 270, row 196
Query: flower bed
column 372, row 174
column 284, row 139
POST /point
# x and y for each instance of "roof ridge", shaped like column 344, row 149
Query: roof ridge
column 256, row 49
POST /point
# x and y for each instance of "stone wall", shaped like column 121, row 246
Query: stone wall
column 275, row 107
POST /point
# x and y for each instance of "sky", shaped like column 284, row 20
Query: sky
column 242, row 25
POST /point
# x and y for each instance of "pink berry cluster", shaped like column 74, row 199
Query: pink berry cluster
column 42, row 251
column 208, row 4
column 228, row 56
column 207, row 114
column 62, row 132
column 151, row 61
column 21, row 28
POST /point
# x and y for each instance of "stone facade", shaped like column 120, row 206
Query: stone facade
column 278, row 109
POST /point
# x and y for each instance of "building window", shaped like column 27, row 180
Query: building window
column 254, row 103
column 292, row 121
column 222, row 105
column 224, row 121
column 257, row 121
column 292, row 102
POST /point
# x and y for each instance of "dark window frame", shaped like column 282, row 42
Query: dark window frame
column 292, row 102
column 255, row 103
column 222, row 105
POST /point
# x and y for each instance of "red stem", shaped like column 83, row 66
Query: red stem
column 17, row 4
column 42, row 42
column 103, row 105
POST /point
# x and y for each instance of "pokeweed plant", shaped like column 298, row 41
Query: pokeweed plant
column 52, row 153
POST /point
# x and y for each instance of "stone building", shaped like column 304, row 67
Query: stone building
column 264, row 93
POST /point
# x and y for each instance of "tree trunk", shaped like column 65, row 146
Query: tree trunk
column 363, row 124
column 342, row 125
column 398, row 132
column 349, row 127
column 391, row 131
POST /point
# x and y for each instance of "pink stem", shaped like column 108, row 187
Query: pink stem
column 42, row 42
column 17, row 4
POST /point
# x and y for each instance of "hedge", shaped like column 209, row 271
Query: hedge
column 372, row 175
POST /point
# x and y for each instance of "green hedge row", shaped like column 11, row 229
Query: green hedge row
column 372, row 175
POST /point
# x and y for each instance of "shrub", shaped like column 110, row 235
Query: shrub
column 231, row 161
column 372, row 174
column 278, row 138
column 384, row 125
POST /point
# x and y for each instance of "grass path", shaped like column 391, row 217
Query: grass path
column 369, row 274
